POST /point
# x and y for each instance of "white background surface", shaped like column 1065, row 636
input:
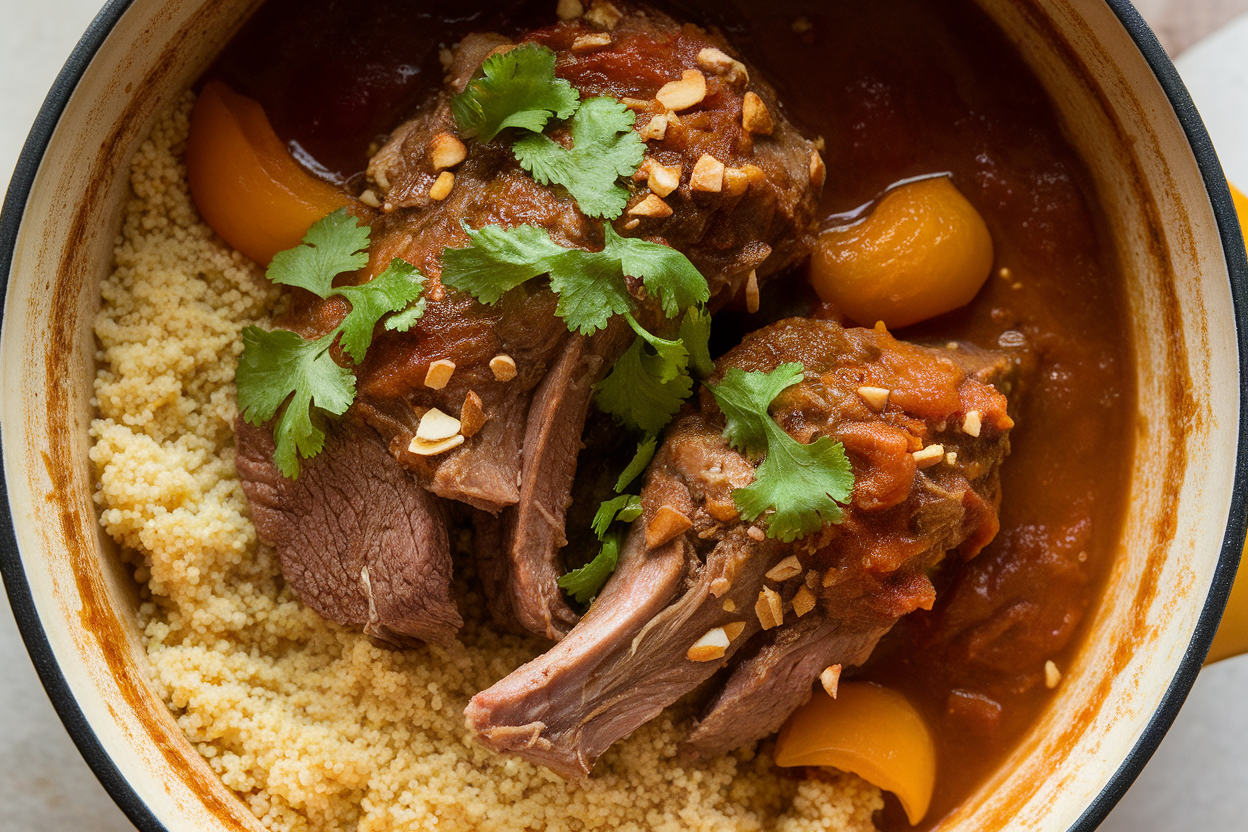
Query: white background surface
column 1198, row 779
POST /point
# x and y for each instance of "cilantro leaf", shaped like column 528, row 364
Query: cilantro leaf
column 334, row 244
column 695, row 332
column 645, row 453
column 604, row 148
column 390, row 291
column 591, row 284
column 516, row 88
column 584, row 584
column 666, row 273
column 802, row 484
column 644, row 389
column 626, row 508
column 279, row 365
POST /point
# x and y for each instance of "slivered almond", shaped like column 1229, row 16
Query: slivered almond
column 736, row 181
column 442, row 186
column 721, row 63
column 588, row 43
column 423, row 448
column 875, row 397
column 818, row 170
column 631, row 224
column 755, row 116
column 972, row 423
column 435, row 426
column 831, row 679
column 708, row 175
column 803, row 601
column 751, row 292
column 446, row 151
column 734, row 629
column 652, row 206
column 730, row 605
column 569, row 9
column 722, row 510
column 655, row 129
column 929, row 456
column 683, row 94
column 664, row 179
column 472, row 415
column 710, row 647
column 503, row 367
column 769, row 609
column 666, row 524
column 719, row 586
column 604, row 14
column 790, row 567
column 439, row 373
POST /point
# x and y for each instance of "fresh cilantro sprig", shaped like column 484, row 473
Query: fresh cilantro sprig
column 280, row 367
column 604, row 148
column 591, row 285
column 584, row 583
column 635, row 467
column 516, row 88
column 801, row 484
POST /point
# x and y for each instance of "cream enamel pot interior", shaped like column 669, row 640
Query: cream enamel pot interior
column 1172, row 227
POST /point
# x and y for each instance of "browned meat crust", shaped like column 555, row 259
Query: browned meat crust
column 627, row 659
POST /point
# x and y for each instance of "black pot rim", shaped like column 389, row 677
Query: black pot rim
column 140, row 814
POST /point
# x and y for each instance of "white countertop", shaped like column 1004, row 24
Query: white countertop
column 1197, row 780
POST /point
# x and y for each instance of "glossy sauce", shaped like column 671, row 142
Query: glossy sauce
column 897, row 88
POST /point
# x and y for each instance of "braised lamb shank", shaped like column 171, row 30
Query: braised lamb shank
column 926, row 483
column 522, row 384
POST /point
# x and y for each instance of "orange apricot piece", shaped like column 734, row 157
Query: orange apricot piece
column 245, row 183
column 924, row 250
column 868, row 730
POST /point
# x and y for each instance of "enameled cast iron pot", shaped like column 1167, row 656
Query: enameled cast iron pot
column 1173, row 230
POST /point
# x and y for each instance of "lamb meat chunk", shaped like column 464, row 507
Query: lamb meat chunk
column 790, row 609
column 360, row 542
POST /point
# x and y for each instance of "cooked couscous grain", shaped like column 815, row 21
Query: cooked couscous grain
column 313, row 726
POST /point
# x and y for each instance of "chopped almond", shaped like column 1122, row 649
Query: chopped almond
column 710, row 647
column 631, row 224
column 370, row 199
column 439, row 373
column 569, row 9
column 636, row 103
column 736, row 181
column 472, row 415
column 651, row 206
column 734, row 629
column 722, row 510
column 446, row 151
column 751, row 292
column 442, row 186
column 812, row 578
column 604, row 14
column 756, row 533
column 720, row 63
column 972, row 423
column 588, row 43
column 419, row 446
column 951, row 458
column 875, row 397
column 655, row 129
column 667, row 524
column 685, row 93
column 929, row 456
column 708, row 175
column 831, row 679
column 663, row 179
column 719, row 586
column 769, row 609
column 1052, row 676
column 755, row 174
column 790, row 567
column 818, row 170
column 503, row 367
column 730, row 605
column 803, row 601
column 755, row 117
column 435, row 426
